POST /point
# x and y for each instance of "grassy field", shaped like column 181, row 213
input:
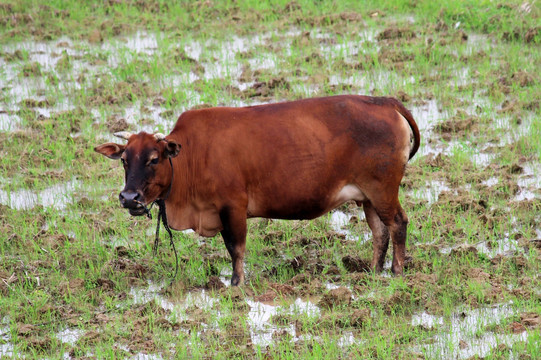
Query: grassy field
column 77, row 276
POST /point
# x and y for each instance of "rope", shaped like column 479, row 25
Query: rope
column 163, row 216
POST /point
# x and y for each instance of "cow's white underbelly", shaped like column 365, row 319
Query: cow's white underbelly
column 348, row 192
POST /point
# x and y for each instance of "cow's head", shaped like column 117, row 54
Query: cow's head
column 147, row 166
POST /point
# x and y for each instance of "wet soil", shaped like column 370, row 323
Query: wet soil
column 355, row 264
column 393, row 33
column 336, row 297
column 324, row 266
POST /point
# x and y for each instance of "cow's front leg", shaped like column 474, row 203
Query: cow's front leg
column 234, row 234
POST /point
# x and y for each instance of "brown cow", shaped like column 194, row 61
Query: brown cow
column 292, row 160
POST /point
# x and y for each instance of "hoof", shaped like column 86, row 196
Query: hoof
column 377, row 268
column 237, row 280
column 397, row 270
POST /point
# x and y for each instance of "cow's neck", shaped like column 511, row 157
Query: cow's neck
column 184, row 211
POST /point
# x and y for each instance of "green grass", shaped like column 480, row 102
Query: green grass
column 76, row 267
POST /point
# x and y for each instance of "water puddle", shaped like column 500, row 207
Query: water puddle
column 69, row 336
column 491, row 248
column 332, row 45
column 331, row 286
column 509, row 131
column 46, row 54
column 123, row 50
column 47, row 58
column 461, row 76
column 152, row 117
column 9, row 122
column 464, row 335
column 431, row 191
column 505, row 246
column 525, row 194
column 199, row 299
column 30, row 76
column 59, row 106
column 387, row 265
column 141, row 42
column 263, row 61
column 341, row 223
column 480, row 158
column 491, row 181
column 6, row 347
column 57, row 196
column 426, row 320
column 145, row 295
column 226, row 274
column 347, row 339
column 154, row 292
column 142, row 356
column 478, row 42
column 529, row 182
column 426, row 115
column 228, row 66
column 259, row 317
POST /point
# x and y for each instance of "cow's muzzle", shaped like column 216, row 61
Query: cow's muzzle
column 133, row 201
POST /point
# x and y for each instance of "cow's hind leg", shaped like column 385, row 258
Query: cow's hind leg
column 388, row 208
column 397, row 221
column 234, row 234
column 399, row 230
column 380, row 234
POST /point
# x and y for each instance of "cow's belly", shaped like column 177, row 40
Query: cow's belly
column 207, row 223
column 307, row 205
column 204, row 222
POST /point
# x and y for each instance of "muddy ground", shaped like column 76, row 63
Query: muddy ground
column 77, row 276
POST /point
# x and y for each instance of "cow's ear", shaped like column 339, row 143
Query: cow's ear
column 111, row 150
column 171, row 149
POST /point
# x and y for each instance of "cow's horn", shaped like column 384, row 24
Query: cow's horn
column 159, row 136
column 123, row 135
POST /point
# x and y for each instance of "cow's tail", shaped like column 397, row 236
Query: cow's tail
column 413, row 125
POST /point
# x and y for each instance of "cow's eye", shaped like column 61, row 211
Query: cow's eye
column 123, row 161
column 153, row 161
